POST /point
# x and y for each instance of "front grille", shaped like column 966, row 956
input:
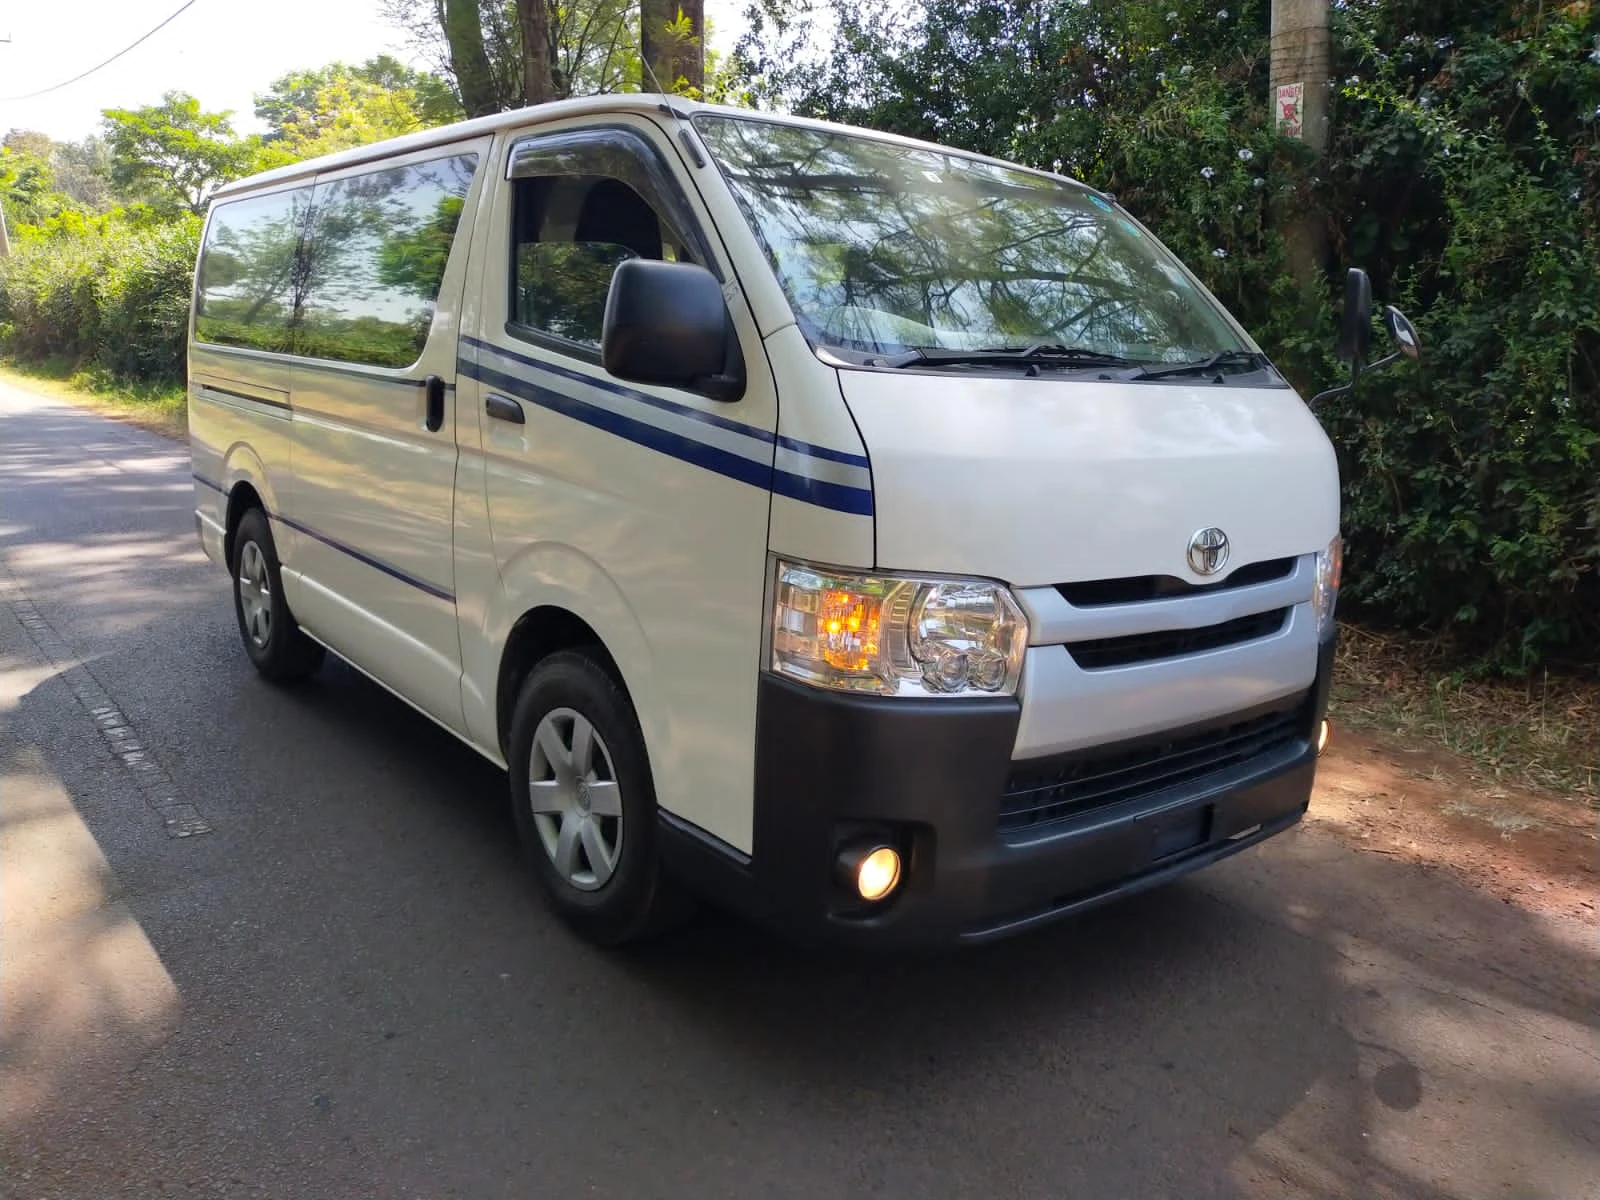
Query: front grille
column 1093, row 593
column 1100, row 653
column 1053, row 789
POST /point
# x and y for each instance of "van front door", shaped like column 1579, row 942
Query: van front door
column 641, row 510
column 374, row 454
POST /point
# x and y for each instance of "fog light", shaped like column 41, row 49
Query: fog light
column 871, row 871
column 1322, row 738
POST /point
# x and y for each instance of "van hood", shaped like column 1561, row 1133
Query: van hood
column 1039, row 481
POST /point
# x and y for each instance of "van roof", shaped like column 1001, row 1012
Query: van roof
column 634, row 102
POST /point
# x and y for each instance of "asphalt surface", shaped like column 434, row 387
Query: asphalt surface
column 343, row 983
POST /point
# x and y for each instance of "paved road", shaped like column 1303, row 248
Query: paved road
column 346, row 986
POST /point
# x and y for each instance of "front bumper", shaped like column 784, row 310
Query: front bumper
column 933, row 777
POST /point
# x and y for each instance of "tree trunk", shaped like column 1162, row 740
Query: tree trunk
column 463, row 31
column 1302, row 55
column 5, row 240
column 538, row 83
column 672, row 34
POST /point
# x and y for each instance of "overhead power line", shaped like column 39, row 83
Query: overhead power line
column 56, row 87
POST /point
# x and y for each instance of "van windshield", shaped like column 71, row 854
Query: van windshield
column 885, row 249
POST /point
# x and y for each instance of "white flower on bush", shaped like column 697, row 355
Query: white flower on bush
column 1222, row 14
column 1207, row 172
column 1172, row 16
column 1246, row 154
column 1219, row 252
column 1161, row 76
column 1258, row 182
column 1186, row 68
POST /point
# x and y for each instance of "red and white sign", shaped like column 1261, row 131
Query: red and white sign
column 1290, row 113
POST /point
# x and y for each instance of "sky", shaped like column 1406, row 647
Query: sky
column 221, row 51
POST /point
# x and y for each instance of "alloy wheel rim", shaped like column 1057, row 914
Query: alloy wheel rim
column 255, row 594
column 575, row 799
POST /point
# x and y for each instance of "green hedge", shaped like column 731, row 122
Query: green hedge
column 107, row 297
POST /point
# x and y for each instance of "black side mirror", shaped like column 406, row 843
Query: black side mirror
column 1355, row 333
column 1355, row 330
column 1402, row 332
column 666, row 323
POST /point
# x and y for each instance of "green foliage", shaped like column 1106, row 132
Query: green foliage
column 1464, row 174
column 339, row 106
column 172, row 155
column 106, row 293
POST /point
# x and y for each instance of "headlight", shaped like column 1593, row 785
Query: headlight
column 889, row 635
column 1330, row 565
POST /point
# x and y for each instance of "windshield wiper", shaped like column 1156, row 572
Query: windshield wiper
column 1224, row 358
column 1043, row 352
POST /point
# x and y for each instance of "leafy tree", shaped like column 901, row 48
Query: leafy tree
column 502, row 54
column 83, row 173
column 26, row 187
column 339, row 106
column 172, row 155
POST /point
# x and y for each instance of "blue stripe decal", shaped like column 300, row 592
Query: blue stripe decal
column 822, row 493
column 734, row 466
column 823, row 452
column 605, row 385
column 393, row 572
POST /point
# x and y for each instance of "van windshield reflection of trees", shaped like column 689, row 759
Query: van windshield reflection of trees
column 883, row 248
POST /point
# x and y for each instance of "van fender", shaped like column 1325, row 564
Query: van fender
column 557, row 575
column 241, row 464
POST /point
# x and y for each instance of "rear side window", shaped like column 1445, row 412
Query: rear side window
column 250, row 284
column 376, row 257
column 349, row 271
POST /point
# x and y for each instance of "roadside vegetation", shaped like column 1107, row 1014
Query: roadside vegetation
column 1463, row 174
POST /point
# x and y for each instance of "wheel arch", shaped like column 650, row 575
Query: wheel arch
column 536, row 635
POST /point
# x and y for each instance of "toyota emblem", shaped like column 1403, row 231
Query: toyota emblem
column 1208, row 551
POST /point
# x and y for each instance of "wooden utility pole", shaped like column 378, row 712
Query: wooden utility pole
column 1302, row 46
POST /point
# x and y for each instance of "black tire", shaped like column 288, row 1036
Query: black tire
column 628, row 897
column 272, row 639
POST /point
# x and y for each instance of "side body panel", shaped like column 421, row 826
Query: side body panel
column 374, row 498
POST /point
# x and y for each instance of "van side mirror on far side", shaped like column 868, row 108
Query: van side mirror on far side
column 667, row 323
column 1355, row 333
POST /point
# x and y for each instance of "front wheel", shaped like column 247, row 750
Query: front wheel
column 272, row 639
column 584, row 804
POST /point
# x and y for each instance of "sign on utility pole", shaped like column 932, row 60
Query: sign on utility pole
column 1301, row 66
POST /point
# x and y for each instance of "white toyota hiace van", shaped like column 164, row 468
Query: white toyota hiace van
column 897, row 545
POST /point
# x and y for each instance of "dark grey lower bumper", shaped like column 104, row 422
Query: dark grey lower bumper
column 929, row 776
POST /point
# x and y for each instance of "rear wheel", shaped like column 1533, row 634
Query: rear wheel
column 275, row 644
column 584, row 804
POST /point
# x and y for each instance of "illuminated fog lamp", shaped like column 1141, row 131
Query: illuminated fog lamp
column 871, row 871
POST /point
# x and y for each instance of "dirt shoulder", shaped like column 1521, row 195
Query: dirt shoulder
column 1535, row 850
